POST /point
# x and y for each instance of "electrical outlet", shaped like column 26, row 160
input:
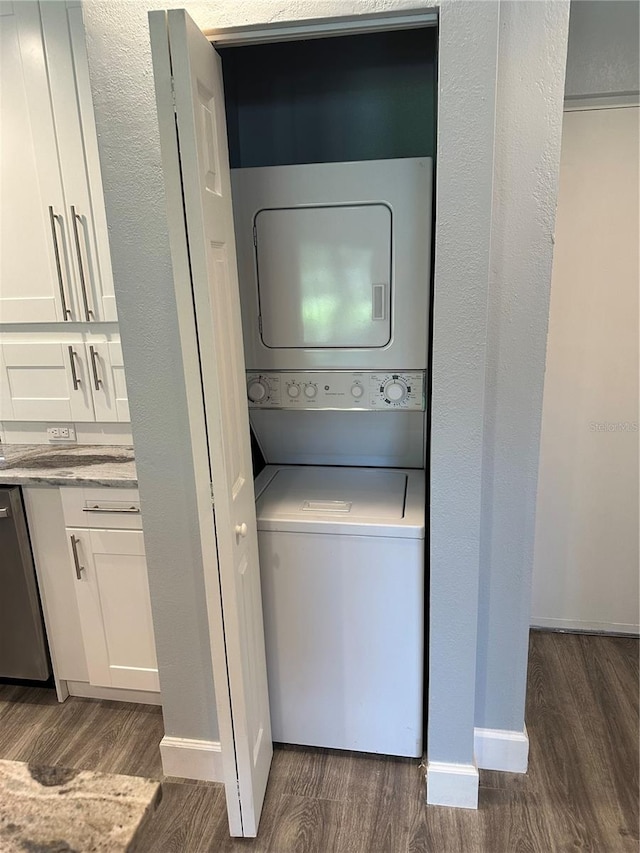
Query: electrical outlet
column 61, row 432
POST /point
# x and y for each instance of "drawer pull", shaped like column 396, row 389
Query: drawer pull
column 98, row 508
column 76, row 560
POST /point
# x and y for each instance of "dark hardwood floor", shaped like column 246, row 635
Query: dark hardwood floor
column 581, row 792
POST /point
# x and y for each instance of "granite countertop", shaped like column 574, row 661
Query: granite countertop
column 55, row 809
column 68, row 465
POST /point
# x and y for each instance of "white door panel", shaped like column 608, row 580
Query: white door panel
column 112, row 592
column 585, row 573
column 33, row 287
column 233, row 586
column 324, row 276
column 68, row 78
column 46, row 381
column 108, row 381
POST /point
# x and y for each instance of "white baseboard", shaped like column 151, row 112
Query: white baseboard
column 87, row 691
column 498, row 749
column 451, row 784
column 586, row 626
column 192, row 759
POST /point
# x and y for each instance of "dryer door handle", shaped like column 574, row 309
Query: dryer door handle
column 378, row 301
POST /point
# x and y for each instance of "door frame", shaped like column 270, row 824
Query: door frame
column 471, row 389
column 468, row 42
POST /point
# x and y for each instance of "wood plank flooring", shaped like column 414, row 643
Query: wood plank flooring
column 581, row 792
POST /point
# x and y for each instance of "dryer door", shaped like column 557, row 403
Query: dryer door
column 324, row 276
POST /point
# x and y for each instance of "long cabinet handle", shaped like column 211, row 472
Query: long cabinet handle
column 97, row 508
column 66, row 313
column 97, row 382
column 74, row 375
column 88, row 313
column 76, row 560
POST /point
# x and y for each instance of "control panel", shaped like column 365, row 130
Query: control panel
column 339, row 389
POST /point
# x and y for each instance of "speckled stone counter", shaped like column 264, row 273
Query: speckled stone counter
column 68, row 465
column 76, row 811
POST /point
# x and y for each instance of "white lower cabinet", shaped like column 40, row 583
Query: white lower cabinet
column 109, row 572
column 115, row 612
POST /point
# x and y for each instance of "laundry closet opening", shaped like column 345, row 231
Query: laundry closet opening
column 332, row 147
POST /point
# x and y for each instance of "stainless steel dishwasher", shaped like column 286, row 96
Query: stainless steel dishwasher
column 23, row 647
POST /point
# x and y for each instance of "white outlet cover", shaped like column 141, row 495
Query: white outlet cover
column 61, row 432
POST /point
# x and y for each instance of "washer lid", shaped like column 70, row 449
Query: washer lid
column 356, row 501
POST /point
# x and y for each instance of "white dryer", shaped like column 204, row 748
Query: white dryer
column 342, row 568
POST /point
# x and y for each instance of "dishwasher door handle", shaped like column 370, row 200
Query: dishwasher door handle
column 4, row 512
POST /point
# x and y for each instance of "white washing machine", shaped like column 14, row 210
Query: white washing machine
column 342, row 569
column 334, row 271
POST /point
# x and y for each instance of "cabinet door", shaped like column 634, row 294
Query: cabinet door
column 65, row 53
column 108, row 381
column 45, row 381
column 34, row 260
column 112, row 592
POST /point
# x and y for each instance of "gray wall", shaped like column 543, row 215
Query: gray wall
column 531, row 64
column 468, row 50
column 604, row 38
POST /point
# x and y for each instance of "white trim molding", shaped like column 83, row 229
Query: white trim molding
column 581, row 626
column 188, row 758
column 499, row 749
column 115, row 694
column 323, row 27
column 602, row 102
column 453, row 785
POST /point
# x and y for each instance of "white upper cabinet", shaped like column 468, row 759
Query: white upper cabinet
column 34, row 263
column 55, row 256
column 45, row 380
column 108, row 381
column 62, row 377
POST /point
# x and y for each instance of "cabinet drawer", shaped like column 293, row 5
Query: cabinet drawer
column 101, row 507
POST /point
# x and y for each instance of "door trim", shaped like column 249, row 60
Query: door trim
column 321, row 28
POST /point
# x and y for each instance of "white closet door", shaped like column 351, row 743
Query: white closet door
column 585, row 573
column 240, row 674
column 35, row 283
column 112, row 592
column 46, row 381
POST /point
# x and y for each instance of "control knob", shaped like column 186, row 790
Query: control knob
column 310, row 391
column 257, row 390
column 293, row 391
column 357, row 391
column 395, row 391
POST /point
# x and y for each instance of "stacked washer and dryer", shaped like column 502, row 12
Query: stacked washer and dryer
column 334, row 269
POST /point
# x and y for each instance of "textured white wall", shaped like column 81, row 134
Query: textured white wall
column 532, row 55
column 604, row 48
